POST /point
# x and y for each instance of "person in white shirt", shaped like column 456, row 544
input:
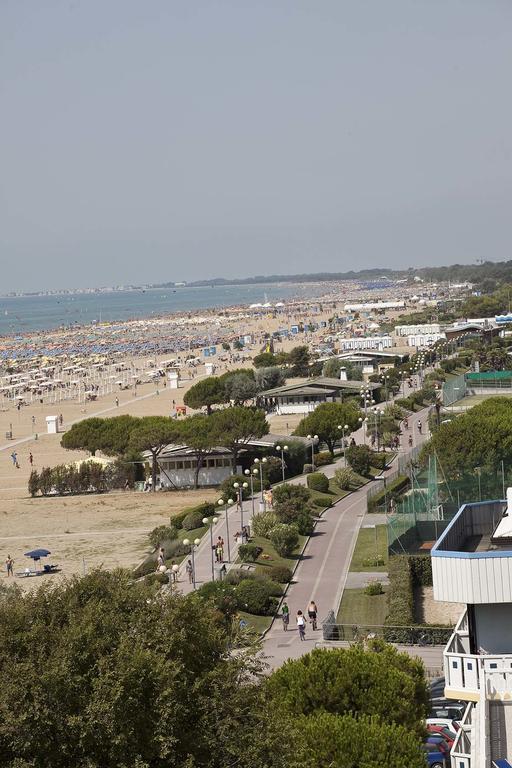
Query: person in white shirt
column 301, row 625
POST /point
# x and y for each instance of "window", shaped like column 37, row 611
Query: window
column 455, row 664
column 179, row 465
column 470, row 665
column 493, row 665
column 210, row 462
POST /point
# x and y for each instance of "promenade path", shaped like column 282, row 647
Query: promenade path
column 323, row 569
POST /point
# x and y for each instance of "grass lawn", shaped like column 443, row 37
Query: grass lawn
column 358, row 608
column 367, row 548
column 258, row 623
column 272, row 557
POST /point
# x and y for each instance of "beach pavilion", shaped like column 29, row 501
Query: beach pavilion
column 303, row 397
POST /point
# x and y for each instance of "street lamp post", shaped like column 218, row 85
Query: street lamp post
column 259, row 464
column 282, row 449
column 193, row 546
column 313, row 439
column 250, row 474
column 343, row 429
column 239, row 490
column 221, row 502
column 206, row 521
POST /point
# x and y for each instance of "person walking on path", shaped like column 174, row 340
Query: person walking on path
column 301, row 625
column 285, row 615
column 117, row 402
column 9, row 564
column 30, row 459
column 312, row 613
column 14, row 457
column 189, row 568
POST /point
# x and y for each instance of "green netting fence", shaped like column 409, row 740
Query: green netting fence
column 454, row 389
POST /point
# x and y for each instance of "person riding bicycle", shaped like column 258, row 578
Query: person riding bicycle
column 419, row 426
column 285, row 615
column 410, row 440
column 406, row 424
column 312, row 613
column 301, row 625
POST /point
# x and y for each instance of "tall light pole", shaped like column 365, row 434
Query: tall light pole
column 250, row 474
column 221, row 502
column 239, row 489
column 313, row 439
column 282, row 449
column 343, row 429
column 193, row 546
column 259, row 464
column 206, row 521
column 385, row 380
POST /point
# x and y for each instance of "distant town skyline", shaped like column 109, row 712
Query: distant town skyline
column 146, row 143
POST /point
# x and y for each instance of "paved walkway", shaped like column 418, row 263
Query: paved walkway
column 323, row 569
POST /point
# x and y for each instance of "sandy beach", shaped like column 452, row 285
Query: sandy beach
column 110, row 530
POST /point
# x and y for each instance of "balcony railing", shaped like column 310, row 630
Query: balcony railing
column 481, row 674
column 461, row 749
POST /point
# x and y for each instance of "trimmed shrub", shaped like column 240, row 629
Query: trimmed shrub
column 177, row 520
column 221, row 595
column 257, row 597
column 374, row 588
column 358, row 456
column 307, row 469
column 193, row 520
column 323, row 458
column 373, row 562
column 161, row 534
column 249, row 552
column 378, row 460
column 284, row 539
column 287, row 491
column 345, row 478
column 322, row 501
column 305, row 523
column 400, row 599
column 317, row 481
column 263, row 523
column 278, row 573
column 33, row 482
column 175, row 548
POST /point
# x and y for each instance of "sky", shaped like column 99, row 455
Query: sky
column 144, row 141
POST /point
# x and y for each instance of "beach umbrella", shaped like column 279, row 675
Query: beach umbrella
column 37, row 554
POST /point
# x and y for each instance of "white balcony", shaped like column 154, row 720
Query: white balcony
column 463, row 749
column 475, row 676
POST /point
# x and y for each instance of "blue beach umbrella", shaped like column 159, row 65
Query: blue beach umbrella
column 37, row 554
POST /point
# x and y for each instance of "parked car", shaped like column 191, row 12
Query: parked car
column 434, row 758
column 445, row 722
column 441, row 730
column 440, row 743
column 448, row 710
column 437, row 688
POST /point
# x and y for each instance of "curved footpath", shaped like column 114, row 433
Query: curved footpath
column 323, row 568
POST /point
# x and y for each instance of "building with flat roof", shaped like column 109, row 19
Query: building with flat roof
column 305, row 396
column 472, row 565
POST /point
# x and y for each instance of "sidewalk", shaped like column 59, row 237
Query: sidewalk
column 323, row 569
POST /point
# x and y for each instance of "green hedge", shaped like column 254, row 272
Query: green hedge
column 392, row 489
column 317, row 481
column 322, row 501
column 257, row 597
column 400, row 599
column 278, row 573
column 194, row 518
column 421, row 570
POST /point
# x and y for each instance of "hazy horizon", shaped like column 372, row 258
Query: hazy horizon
column 146, row 143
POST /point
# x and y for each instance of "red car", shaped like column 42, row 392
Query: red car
column 443, row 731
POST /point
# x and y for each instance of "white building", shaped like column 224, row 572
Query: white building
column 472, row 564
column 366, row 342
column 412, row 330
column 371, row 306
column 304, row 397
column 424, row 339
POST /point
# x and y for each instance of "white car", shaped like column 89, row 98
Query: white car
column 445, row 723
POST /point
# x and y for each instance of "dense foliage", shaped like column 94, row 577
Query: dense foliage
column 326, row 420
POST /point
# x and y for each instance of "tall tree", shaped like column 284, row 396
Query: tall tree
column 235, row 426
column 86, row 435
column 101, row 672
column 269, row 377
column 153, row 434
column 198, row 433
column 298, row 360
column 205, row 393
column 326, row 418
column 240, row 388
